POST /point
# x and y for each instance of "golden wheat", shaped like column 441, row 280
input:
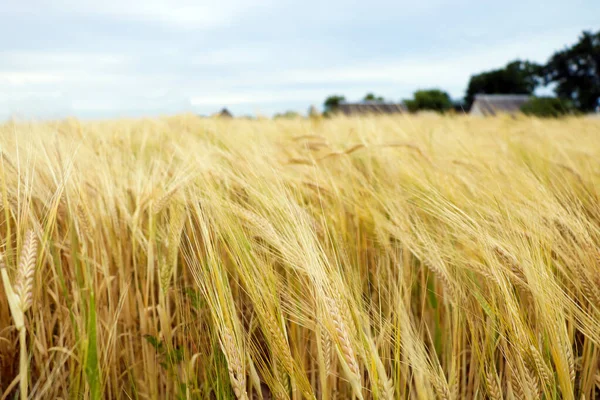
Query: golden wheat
column 23, row 285
column 369, row 258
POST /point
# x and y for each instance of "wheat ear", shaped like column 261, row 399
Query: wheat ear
column 235, row 366
column 345, row 345
column 84, row 221
column 533, row 384
column 25, row 274
column 441, row 387
column 163, row 201
column 20, row 299
column 326, row 346
column 517, row 387
column 491, row 380
column 168, row 267
column 540, row 365
column 324, row 353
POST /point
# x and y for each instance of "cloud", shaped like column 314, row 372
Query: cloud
column 31, row 104
column 242, row 77
column 175, row 55
column 446, row 71
column 177, row 13
column 256, row 96
column 18, row 78
column 49, row 59
column 234, row 56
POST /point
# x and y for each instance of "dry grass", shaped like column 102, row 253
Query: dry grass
column 381, row 258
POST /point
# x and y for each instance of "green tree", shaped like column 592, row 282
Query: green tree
column 431, row 99
column 547, row 107
column 332, row 102
column 372, row 97
column 518, row 77
column 576, row 72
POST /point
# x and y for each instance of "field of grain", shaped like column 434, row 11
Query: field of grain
column 373, row 258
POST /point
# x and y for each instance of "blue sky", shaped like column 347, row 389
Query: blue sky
column 99, row 59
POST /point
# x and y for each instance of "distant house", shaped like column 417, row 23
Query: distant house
column 493, row 104
column 224, row 113
column 370, row 107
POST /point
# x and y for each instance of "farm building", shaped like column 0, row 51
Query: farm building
column 492, row 104
column 224, row 113
column 371, row 107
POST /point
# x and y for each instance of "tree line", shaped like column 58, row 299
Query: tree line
column 573, row 72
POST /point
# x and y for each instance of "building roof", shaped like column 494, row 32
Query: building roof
column 370, row 107
column 492, row 104
column 225, row 113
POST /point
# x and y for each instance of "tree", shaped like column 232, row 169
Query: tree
column 547, row 107
column 431, row 99
column 332, row 102
column 372, row 97
column 518, row 77
column 576, row 72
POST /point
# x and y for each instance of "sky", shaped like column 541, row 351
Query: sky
column 106, row 59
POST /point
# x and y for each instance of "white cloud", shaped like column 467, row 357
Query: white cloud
column 58, row 58
column 251, row 62
column 446, row 71
column 110, row 82
column 19, row 78
column 63, row 78
column 256, row 96
column 31, row 104
column 180, row 13
column 20, row 69
column 231, row 57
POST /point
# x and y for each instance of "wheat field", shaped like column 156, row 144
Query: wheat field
column 368, row 258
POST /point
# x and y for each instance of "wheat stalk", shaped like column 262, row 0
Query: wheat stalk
column 300, row 161
column 354, row 148
column 385, row 386
column 20, row 298
column 14, row 302
column 167, row 268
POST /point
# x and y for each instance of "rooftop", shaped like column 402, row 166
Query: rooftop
column 491, row 104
